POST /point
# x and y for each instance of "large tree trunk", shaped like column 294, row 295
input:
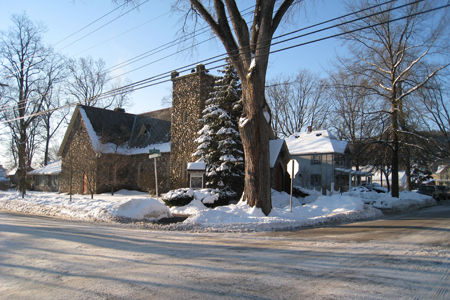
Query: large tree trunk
column 22, row 169
column 254, row 128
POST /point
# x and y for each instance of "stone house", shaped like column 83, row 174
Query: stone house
column 324, row 161
column 106, row 150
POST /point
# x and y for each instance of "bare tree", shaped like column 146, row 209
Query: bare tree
column 297, row 102
column 355, row 111
column 393, row 49
column 434, row 100
column 89, row 81
column 50, row 91
column 23, row 59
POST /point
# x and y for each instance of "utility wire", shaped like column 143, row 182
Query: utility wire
column 130, row 86
column 154, row 80
column 84, row 35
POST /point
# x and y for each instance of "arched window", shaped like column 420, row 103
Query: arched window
column 140, row 170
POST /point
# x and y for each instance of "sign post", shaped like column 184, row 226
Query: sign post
column 154, row 153
column 292, row 168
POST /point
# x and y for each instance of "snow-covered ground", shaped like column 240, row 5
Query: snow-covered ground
column 314, row 210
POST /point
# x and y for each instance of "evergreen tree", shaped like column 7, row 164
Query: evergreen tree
column 220, row 145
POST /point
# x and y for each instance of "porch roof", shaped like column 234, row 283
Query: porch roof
column 352, row 172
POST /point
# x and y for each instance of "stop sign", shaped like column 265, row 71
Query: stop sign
column 292, row 167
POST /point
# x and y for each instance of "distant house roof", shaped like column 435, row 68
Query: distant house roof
column 119, row 132
column 440, row 169
column 50, row 169
column 319, row 141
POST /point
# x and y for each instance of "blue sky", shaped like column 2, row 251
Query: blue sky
column 153, row 25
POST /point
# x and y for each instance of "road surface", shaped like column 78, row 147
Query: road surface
column 400, row 257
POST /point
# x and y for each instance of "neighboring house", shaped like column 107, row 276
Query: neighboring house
column 13, row 176
column 380, row 178
column 106, row 150
column 324, row 161
column 46, row 179
column 442, row 175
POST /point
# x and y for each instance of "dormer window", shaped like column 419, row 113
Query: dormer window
column 145, row 130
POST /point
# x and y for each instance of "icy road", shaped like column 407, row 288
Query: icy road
column 399, row 257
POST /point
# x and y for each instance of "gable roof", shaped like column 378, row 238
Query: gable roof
column 118, row 132
column 319, row 141
column 50, row 169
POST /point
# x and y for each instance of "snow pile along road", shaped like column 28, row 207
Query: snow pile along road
column 314, row 210
column 124, row 204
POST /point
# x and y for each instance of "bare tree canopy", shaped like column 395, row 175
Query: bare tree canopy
column 90, row 80
column 297, row 103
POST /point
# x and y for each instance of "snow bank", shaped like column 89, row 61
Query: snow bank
column 124, row 204
column 313, row 210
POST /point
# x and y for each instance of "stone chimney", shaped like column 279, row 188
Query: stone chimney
column 174, row 74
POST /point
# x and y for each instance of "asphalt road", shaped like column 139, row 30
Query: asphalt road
column 400, row 257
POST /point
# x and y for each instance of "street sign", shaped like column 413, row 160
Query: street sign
column 292, row 167
column 154, row 151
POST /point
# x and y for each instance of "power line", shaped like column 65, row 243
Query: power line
column 81, row 30
column 158, row 79
column 134, row 86
column 167, row 46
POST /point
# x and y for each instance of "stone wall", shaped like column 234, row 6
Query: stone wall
column 78, row 158
column 188, row 101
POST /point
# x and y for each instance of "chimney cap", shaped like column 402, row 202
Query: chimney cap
column 174, row 74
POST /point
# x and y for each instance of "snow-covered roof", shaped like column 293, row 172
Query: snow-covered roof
column 275, row 148
column 12, row 172
column 195, row 166
column 50, row 169
column 319, row 141
column 440, row 168
column 121, row 126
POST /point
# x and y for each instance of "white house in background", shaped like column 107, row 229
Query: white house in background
column 46, row 179
column 378, row 177
column 324, row 161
